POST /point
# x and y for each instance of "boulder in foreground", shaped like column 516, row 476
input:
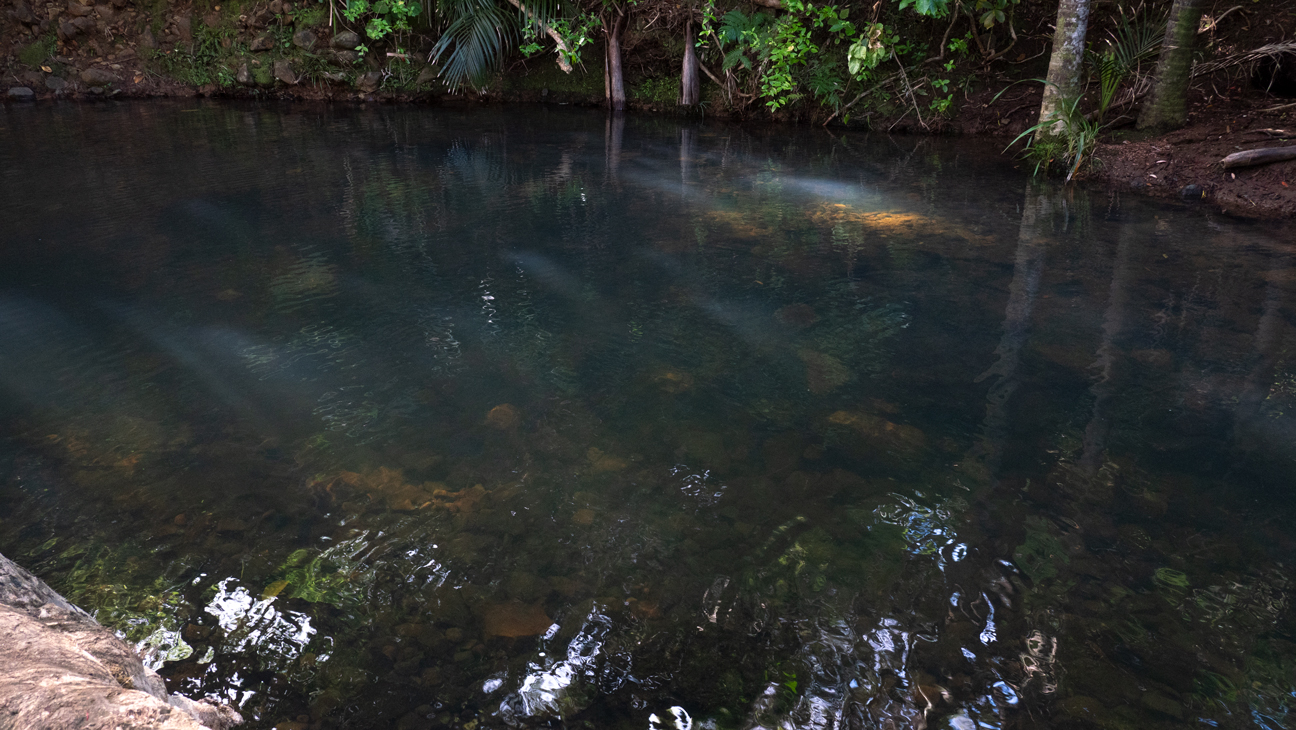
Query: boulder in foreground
column 60, row 669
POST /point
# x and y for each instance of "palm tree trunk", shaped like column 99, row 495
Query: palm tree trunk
column 1063, row 82
column 1167, row 107
column 614, row 80
column 690, row 85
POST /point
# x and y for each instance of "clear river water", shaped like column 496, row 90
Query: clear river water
column 411, row 417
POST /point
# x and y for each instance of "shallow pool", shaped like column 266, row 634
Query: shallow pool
column 411, row 417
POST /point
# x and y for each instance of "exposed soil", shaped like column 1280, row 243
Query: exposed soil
column 1186, row 163
column 1183, row 164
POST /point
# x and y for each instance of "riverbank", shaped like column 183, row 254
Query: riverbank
column 89, row 50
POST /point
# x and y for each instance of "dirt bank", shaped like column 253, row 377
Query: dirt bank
column 1186, row 164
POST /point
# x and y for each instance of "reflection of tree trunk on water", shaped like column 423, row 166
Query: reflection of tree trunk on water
column 686, row 158
column 1103, row 389
column 1248, row 415
column 1028, row 269
column 613, row 131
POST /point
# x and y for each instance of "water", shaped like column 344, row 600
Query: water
column 441, row 418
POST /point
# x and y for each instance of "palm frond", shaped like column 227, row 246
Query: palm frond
column 1272, row 51
column 1137, row 38
column 476, row 36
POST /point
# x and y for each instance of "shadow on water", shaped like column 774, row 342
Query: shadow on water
column 432, row 418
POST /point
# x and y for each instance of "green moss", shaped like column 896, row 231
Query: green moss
column 543, row 73
column 310, row 17
column 34, row 54
column 663, row 90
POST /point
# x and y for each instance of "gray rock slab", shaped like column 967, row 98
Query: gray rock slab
column 60, row 669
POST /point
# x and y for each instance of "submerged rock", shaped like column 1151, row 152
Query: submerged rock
column 505, row 416
column 876, row 436
column 824, row 373
column 60, row 668
column 673, row 381
column 798, row 316
column 511, row 620
column 601, row 462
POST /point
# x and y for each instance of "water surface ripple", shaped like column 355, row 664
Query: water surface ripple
column 437, row 418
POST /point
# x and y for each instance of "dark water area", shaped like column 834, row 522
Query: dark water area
column 423, row 418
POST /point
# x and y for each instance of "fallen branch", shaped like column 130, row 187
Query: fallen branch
column 1262, row 156
column 563, row 51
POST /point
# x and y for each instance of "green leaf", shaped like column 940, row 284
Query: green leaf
column 930, row 8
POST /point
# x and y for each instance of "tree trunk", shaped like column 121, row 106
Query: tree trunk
column 690, row 85
column 1167, row 106
column 1063, row 83
column 614, row 78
